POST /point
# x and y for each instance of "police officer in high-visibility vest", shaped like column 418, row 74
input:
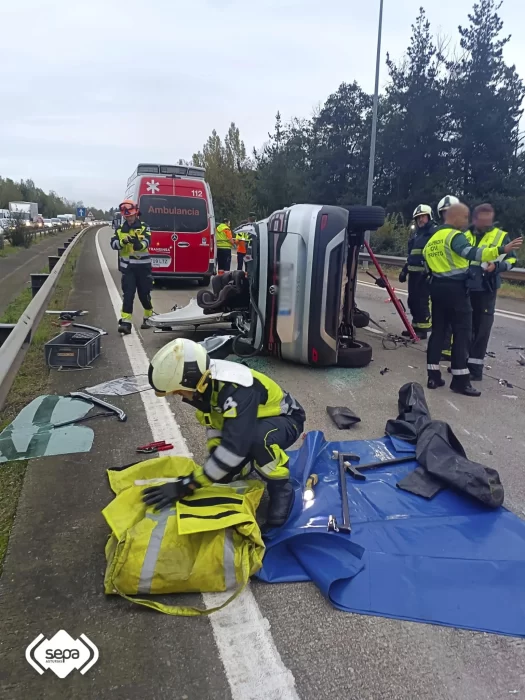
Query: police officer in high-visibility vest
column 444, row 204
column 250, row 422
column 132, row 240
column 448, row 255
column 225, row 241
column 484, row 285
column 418, row 287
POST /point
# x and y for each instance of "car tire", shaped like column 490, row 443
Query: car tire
column 204, row 281
column 361, row 319
column 356, row 354
column 362, row 218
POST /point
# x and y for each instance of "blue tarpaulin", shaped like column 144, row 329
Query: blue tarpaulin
column 449, row 561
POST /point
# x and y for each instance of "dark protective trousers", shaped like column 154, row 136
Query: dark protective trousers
column 483, row 307
column 136, row 279
column 240, row 260
column 450, row 305
column 419, row 300
column 271, row 436
column 224, row 259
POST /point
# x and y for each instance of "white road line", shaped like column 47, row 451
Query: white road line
column 502, row 313
column 451, row 404
column 251, row 661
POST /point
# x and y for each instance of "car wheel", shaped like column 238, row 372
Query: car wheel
column 361, row 319
column 204, row 281
column 354, row 354
column 362, row 218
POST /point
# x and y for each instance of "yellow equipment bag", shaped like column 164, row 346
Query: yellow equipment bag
column 207, row 542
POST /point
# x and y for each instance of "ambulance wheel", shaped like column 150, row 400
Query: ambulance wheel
column 204, row 281
column 355, row 354
column 361, row 319
column 365, row 218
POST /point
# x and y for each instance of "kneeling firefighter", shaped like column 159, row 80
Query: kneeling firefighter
column 249, row 420
column 418, row 283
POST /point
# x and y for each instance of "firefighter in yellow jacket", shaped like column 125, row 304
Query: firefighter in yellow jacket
column 132, row 240
column 250, row 422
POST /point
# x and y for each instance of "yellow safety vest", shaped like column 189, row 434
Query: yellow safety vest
column 222, row 239
column 441, row 259
column 494, row 239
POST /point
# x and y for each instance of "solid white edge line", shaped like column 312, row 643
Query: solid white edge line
column 511, row 315
column 251, row 661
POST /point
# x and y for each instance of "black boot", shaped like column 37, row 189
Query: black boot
column 464, row 388
column 435, row 380
column 281, row 501
column 145, row 325
column 124, row 327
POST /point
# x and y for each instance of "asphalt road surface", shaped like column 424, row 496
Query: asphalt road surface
column 276, row 642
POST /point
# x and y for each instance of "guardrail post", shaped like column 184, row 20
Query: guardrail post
column 5, row 329
column 65, row 244
column 52, row 261
column 61, row 252
column 37, row 280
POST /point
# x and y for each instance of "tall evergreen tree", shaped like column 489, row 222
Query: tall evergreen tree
column 485, row 95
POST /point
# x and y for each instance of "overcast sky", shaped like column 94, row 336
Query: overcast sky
column 92, row 87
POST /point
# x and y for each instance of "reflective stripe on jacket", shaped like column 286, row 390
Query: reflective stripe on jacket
column 229, row 419
column 494, row 238
column 415, row 259
column 244, row 238
column 129, row 254
column 224, row 236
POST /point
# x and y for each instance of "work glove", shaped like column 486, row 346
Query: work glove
column 137, row 243
column 403, row 274
column 125, row 240
column 166, row 495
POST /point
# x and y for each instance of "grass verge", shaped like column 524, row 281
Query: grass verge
column 510, row 290
column 9, row 249
column 31, row 381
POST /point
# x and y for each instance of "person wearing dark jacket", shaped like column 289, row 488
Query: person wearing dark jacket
column 250, row 421
column 132, row 240
column 418, row 286
column 484, row 284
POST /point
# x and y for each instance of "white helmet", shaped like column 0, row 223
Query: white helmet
column 422, row 210
column 447, row 201
column 185, row 365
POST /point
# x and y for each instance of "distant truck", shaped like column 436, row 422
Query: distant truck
column 68, row 219
column 27, row 211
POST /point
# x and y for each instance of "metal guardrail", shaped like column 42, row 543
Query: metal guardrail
column 14, row 348
column 515, row 275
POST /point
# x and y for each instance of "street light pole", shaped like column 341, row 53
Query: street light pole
column 371, row 163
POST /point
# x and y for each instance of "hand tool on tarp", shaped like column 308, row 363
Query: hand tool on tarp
column 345, row 465
column 110, row 410
column 345, row 526
column 160, row 446
column 355, row 469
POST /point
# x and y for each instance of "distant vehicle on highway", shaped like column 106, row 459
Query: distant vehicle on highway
column 27, row 211
column 175, row 201
column 47, row 223
column 56, row 221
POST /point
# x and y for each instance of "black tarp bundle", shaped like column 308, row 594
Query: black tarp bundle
column 442, row 460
